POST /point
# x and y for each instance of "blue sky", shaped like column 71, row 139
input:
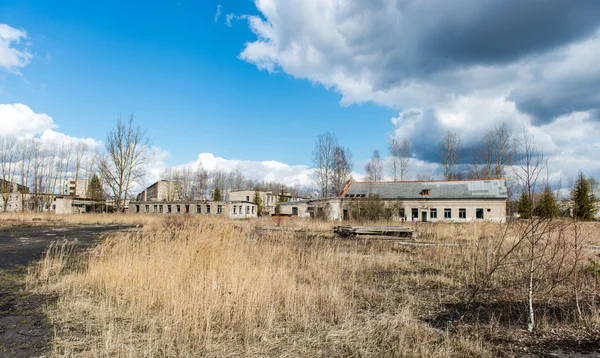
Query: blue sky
column 178, row 70
column 252, row 88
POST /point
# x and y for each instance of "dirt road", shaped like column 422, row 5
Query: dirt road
column 24, row 330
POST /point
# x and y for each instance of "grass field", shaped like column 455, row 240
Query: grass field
column 205, row 286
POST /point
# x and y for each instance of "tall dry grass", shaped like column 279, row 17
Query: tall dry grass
column 8, row 220
column 206, row 286
column 212, row 287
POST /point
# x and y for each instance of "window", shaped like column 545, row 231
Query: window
column 433, row 213
column 479, row 214
column 155, row 208
column 198, row 209
column 447, row 213
column 147, row 208
column 208, row 209
column 462, row 213
column 219, row 209
column 425, row 192
column 402, row 213
column 247, row 209
column 295, row 210
column 247, row 198
column 234, row 209
column 168, row 208
column 137, row 208
column 241, row 212
column 178, row 208
column 253, row 210
column 160, row 208
column 415, row 213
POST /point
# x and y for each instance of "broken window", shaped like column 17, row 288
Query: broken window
column 208, row 209
column 415, row 213
column 425, row 192
column 479, row 213
column 198, row 209
column 219, row 209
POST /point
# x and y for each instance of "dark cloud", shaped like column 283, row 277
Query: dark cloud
column 496, row 32
column 547, row 100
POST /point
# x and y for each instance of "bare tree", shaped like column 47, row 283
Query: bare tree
column 25, row 153
column 341, row 170
column 373, row 168
column 400, row 152
column 323, row 159
column 126, row 154
column 493, row 153
column 450, row 148
column 8, row 145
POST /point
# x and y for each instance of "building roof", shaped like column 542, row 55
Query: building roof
column 467, row 189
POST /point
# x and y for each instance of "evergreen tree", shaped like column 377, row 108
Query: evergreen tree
column 525, row 206
column 584, row 202
column 95, row 188
column 547, row 207
column 282, row 197
column 217, row 196
column 257, row 200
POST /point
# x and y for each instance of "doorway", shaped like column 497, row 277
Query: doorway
column 424, row 216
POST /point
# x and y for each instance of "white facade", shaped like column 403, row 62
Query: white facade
column 230, row 209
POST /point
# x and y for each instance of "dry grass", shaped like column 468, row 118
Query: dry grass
column 205, row 286
column 8, row 220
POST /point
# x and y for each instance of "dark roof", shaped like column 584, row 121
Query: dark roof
column 469, row 189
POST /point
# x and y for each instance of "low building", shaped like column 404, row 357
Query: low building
column 459, row 201
column 229, row 209
column 268, row 200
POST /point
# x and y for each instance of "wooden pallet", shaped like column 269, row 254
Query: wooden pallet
column 374, row 231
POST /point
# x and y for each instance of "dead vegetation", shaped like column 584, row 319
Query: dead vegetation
column 204, row 286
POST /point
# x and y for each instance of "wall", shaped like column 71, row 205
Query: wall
column 195, row 208
column 493, row 209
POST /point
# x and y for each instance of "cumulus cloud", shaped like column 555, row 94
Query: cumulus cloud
column 465, row 65
column 19, row 119
column 270, row 170
column 13, row 54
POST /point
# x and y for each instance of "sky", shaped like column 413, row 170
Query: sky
column 249, row 85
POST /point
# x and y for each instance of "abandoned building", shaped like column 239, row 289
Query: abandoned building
column 411, row 200
column 162, row 190
column 229, row 209
column 76, row 188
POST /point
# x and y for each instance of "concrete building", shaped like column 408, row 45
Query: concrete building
column 229, row 209
column 11, row 197
column 162, row 190
column 459, row 201
column 269, row 201
column 76, row 188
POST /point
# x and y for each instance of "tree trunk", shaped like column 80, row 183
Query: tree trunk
column 531, row 321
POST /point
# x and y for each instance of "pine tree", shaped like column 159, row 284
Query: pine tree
column 525, row 206
column 584, row 202
column 217, row 196
column 547, row 207
column 257, row 200
column 95, row 188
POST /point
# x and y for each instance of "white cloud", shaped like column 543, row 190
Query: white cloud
column 19, row 119
column 271, row 171
column 218, row 13
column 13, row 54
column 464, row 66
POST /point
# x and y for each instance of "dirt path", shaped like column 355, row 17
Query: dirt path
column 24, row 330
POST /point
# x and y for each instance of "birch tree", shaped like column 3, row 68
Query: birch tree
column 400, row 152
column 7, row 158
column 323, row 159
column 450, row 149
column 123, row 163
